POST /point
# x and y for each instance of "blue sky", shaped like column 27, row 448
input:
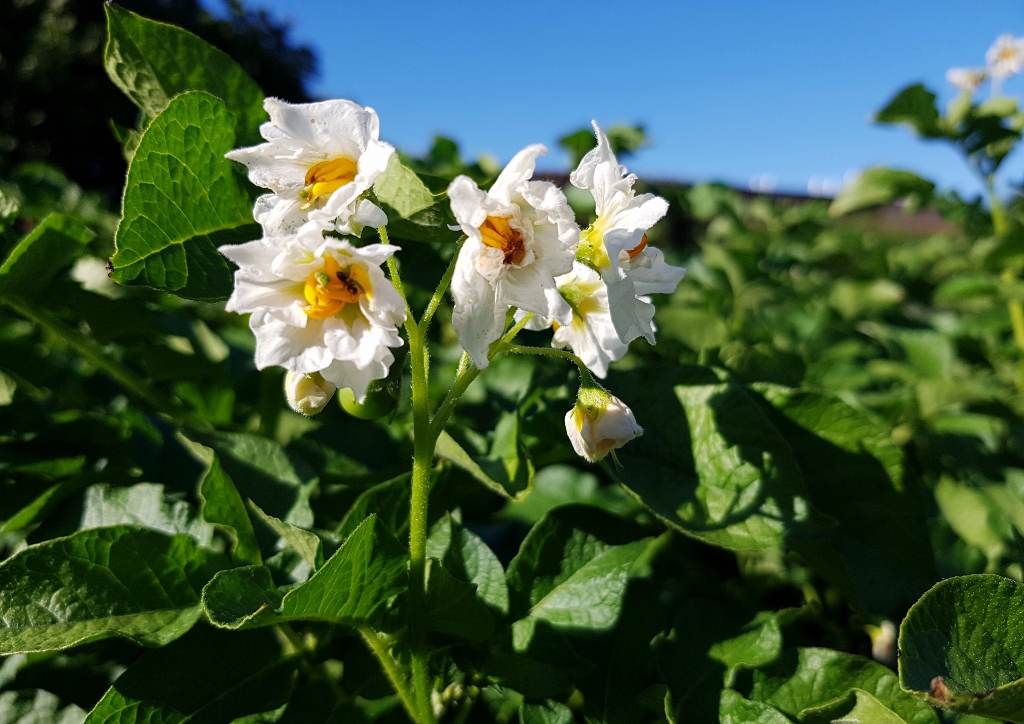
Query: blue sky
column 731, row 90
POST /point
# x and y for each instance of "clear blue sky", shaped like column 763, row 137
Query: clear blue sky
column 728, row 90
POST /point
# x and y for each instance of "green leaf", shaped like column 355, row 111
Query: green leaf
column 144, row 505
column 506, row 469
column 915, row 107
column 413, row 211
column 206, row 676
column 352, row 588
column 263, row 472
column 153, row 62
column 52, row 245
column 36, row 489
column 879, row 186
column 306, row 543
column 122, row 581
column 182, row 200
column 859, row 707
column 453, row 608
column 807, row 678
column 962, row 646
column 389, row 501
column 469, row 559
column 709, row 463
column 759, row 644
column 223, row 507
column 539, row 662
column 550, row 712
column 573, row 567
column 879, row 551
column 734, row 709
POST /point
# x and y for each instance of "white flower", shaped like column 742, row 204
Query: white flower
column 520, row 235
column 309, row 393
column 1006, row 56
column 319, row 305
column 599, row 423
column 591, row 334
column 615, row 245
column 319, row 160
column 966, row 79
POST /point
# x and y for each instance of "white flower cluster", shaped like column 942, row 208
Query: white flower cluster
column 1004, row 59
column 322, row 308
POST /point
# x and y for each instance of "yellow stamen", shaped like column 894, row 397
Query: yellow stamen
column 496, row 233
column 326, row 177
column 328, row 290
column 635, row 251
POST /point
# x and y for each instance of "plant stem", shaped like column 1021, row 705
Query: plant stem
column 394, row 674
column 396, row 278
column 94, row 354
column 545, row 352
column 442, row 287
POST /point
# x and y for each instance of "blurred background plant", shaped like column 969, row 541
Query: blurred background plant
column 877, row 332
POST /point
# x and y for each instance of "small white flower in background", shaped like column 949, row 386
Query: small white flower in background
column 319, row 160
column 1005, row 57
column 319, row 305
column 521, row 234
column 599, row 423
column 615, row 245
column 307, row 393
column 591, row 335
column 966, row 79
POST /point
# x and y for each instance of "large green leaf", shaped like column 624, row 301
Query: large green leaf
column 223, row 507
column 506, row 469
column 352, row 588
column 573, row 567
column 413, row 211
column 143, row 505
column 153, row 62
column 389, row 501
column 52, row 245
column 710, row 463
column 304, row 542
column 207, row 676
column 808, row 678
column 469, row 559
column 878, row 551
column 121, row 581
column 452, row 606
column 962, row 646
column 734, row 709
column 915, row 107
column 182, row 200
column 859, row 707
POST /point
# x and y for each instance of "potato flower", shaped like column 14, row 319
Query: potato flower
column 319, row 305
column 521, row 234
column 598, row 423
column 615, row 245
column 966, row 79
column 1005, row 57
column 320, row 159
column 591, row 334
column 307, row 393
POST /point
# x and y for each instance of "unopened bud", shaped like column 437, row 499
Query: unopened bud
column 599, row 423
column 307, row 393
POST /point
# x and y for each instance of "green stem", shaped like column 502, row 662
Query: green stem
column 396, row 278
column 546, row 352
column 394, row 674
column 94, row 354
column 438, row 295
column 467, row 373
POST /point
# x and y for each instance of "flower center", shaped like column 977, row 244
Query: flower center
column 498, row 234
column 327, row 291
column 326, row 177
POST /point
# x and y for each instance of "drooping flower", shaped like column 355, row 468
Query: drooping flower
column 319, row 305
column 319, row 160
column 591, row 334
column 1005, row 57
column 521, row 234
column 966, row 79
column 599, row 422
column 307, row 393
column 615, row 245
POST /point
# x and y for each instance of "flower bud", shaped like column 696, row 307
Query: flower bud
column 599, row 423
column 307, row 393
